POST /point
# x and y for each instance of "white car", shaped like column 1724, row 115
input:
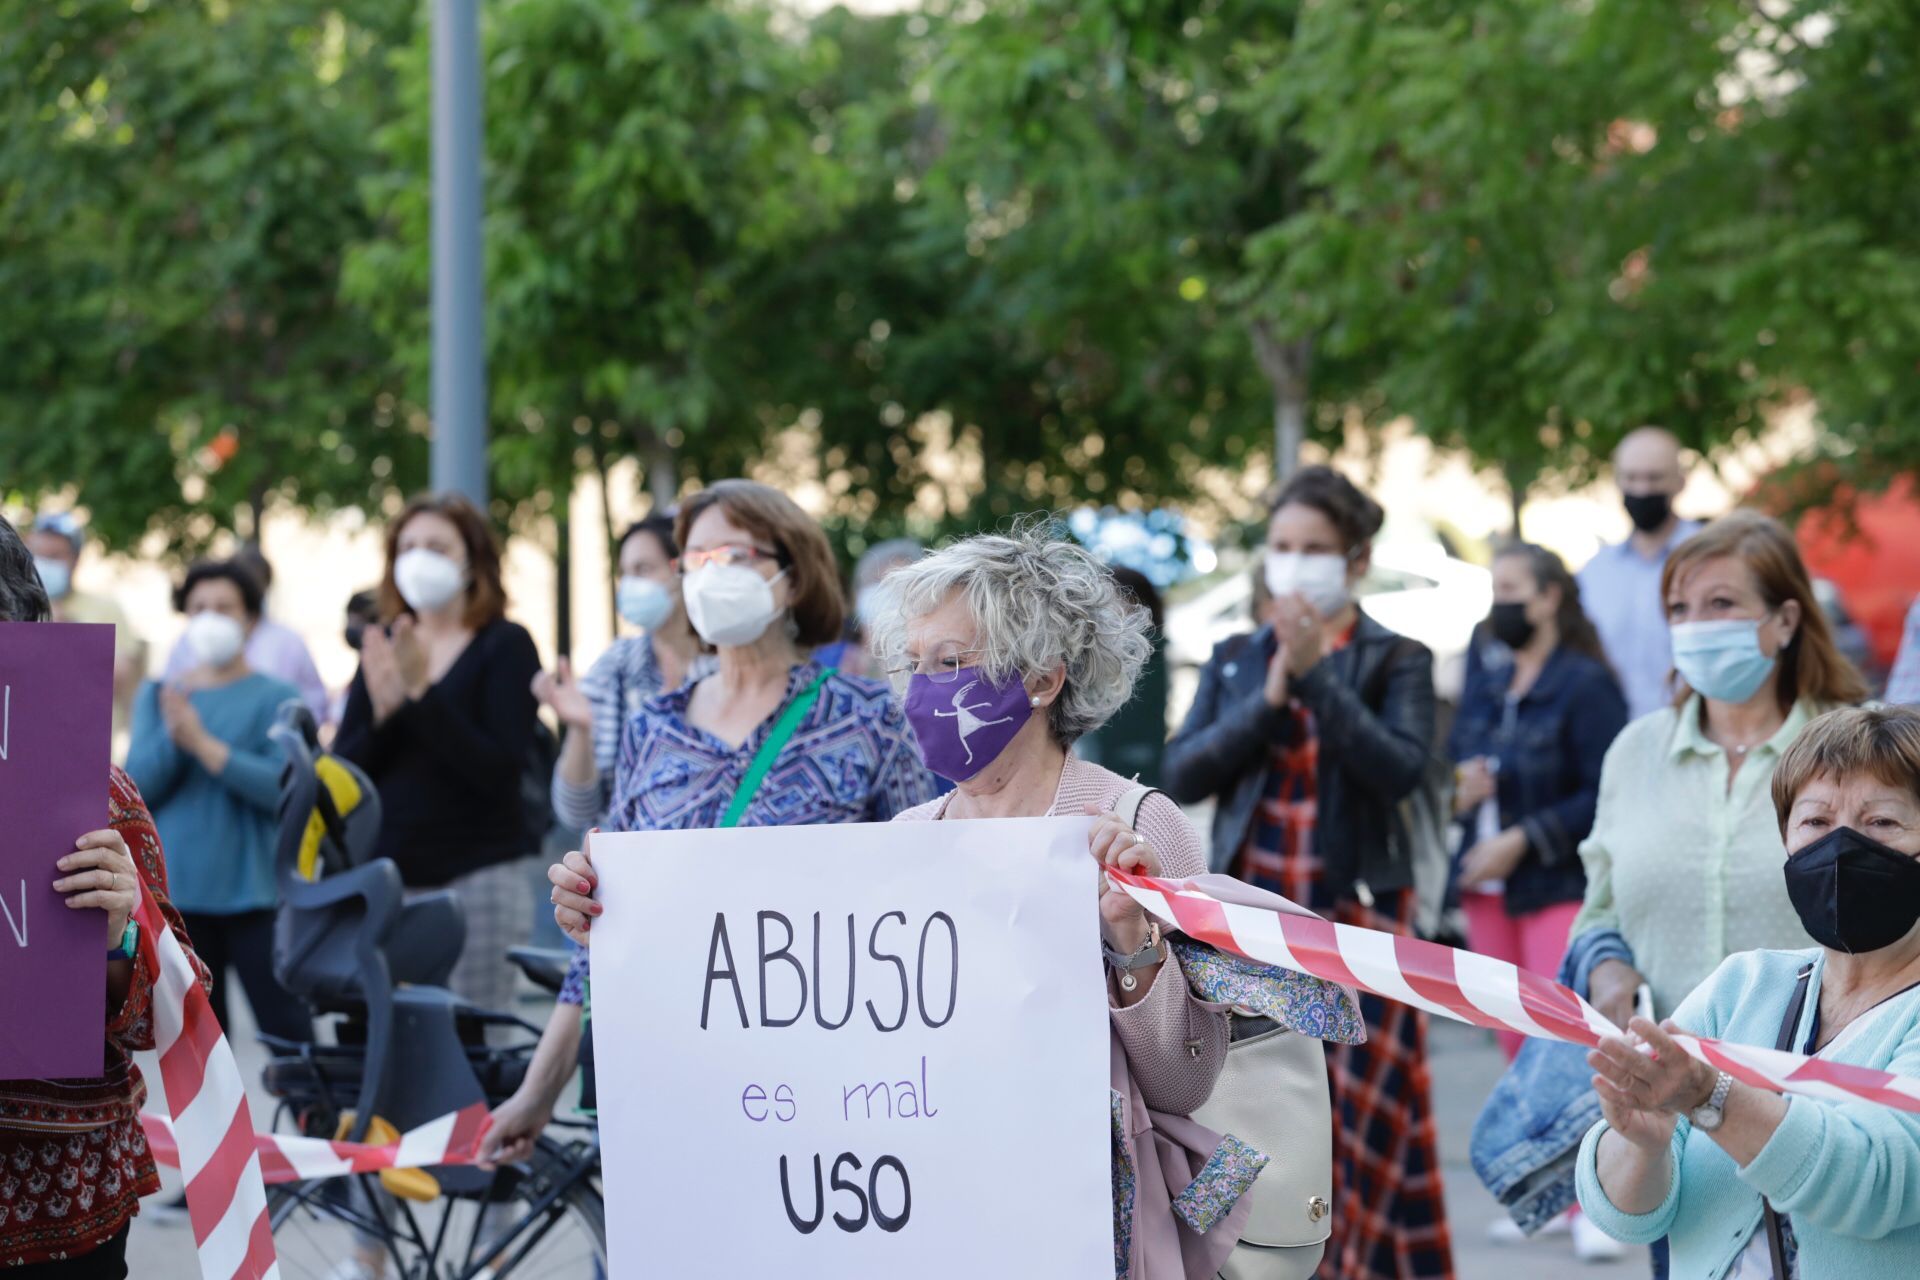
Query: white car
column 1414, row 587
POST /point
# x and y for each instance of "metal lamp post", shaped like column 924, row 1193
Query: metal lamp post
column 459, row 351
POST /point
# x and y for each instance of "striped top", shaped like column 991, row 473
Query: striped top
column 616, row 687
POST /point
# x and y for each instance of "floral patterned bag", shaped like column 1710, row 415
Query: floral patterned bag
column 1272, row 1095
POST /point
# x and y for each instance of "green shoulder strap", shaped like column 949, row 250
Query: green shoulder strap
column 770, row 750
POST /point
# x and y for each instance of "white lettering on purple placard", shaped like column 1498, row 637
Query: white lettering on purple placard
column 18, row 927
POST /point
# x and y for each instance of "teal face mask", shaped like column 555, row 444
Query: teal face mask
column 1721, row 660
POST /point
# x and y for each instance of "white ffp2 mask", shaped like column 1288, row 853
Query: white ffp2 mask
column 1321, row 578
column 214, row 639
column 730, row 605
column 428, row 580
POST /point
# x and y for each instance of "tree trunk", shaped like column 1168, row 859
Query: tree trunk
column 663, row 477
column 606, row 525
column 1517, row 496
column 1287, row 365
column 257, row 508
column 563, row 577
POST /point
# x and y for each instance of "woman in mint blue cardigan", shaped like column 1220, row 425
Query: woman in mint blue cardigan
column 1689, row 1153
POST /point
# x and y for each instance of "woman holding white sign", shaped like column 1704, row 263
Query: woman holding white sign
column 1007, row 649
column 770, row 738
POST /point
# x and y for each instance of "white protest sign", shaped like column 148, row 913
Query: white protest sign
column 853, row 1051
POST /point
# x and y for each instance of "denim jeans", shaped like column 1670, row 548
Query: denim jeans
column 1527, row 1135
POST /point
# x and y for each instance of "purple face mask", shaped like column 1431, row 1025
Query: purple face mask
column 963, row 724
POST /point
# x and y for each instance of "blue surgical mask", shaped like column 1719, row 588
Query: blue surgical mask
column 643, row 602
column 54, row 576
column 1721, row 660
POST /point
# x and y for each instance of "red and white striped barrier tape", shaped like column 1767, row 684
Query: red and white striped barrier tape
column 1468, row 987
column 227, row 1165
column 284, row 1157
column 212, row 1127
column 211, row 1139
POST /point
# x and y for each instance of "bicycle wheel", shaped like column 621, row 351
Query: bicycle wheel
column 542, row 1219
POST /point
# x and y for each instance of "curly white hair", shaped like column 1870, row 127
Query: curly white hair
column 1038, row 601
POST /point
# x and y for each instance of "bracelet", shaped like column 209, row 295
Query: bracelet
column 129, row 942
column 1150, row 953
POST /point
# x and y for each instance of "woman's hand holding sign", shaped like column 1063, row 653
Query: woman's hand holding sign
column 100, row 873
column 1122, row 920
column 574, row 882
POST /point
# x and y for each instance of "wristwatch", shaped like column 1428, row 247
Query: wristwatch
column 1708, row 1115
column 129, row 942
column 1126, row 964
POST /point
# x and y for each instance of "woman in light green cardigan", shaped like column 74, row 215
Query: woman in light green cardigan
column 1687, row 1152
column 1683, row 861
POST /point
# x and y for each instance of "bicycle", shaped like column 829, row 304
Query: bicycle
column 373, row 963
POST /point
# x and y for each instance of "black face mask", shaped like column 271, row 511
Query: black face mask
column 1648, row 511
column 1853, row 893
column 1510, row 623
column 356, row 631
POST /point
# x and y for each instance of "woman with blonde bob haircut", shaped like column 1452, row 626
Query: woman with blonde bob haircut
column 1746, row 1183
column 1683, row 862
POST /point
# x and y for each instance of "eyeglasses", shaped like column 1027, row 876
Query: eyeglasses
column 944, row 669
column 728, row 554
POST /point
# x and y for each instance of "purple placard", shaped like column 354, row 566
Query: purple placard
column 56, row 728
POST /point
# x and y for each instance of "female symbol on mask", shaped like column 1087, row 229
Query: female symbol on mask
column 978, row 708
column 966, row 722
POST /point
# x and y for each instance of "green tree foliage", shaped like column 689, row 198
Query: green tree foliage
column 178, row 185
column 976, row 258
column 1110, row 160
column 648, row 168
column 1550, row 223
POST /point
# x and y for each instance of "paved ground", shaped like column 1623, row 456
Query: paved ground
column 1465, row 1066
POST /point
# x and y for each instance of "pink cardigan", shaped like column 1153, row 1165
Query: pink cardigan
column 1169, row 1049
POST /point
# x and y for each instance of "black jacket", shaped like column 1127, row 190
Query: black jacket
column 1549, row 744
column 1373, row 708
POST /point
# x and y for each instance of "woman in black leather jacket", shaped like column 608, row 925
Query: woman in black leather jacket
column 1307, row 734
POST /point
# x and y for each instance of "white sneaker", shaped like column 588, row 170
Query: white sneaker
column 1506, row 1231
column 1591, row 1244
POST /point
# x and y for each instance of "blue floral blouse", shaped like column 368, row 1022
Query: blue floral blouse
column 852, row 759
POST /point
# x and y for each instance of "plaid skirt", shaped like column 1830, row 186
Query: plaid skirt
column 1390, row 1214
column 1389, row 1210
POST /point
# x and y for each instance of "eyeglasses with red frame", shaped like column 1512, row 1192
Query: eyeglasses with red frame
column 731, row 553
